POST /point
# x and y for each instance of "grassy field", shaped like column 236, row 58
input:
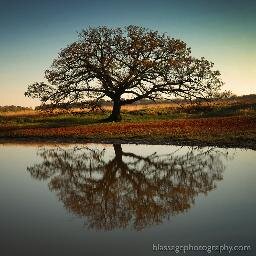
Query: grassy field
column 229, row 122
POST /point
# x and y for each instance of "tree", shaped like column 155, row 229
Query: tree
column 125, row 65
column 120, row 189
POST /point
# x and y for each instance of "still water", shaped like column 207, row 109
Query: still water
column 125, row 199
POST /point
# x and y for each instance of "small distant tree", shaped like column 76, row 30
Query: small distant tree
column 125, row 65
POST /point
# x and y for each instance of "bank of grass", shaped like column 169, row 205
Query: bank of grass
column 223, row 123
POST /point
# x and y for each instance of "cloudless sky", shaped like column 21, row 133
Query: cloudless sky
column 33, row 32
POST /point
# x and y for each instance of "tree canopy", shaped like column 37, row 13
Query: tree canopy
column 125, row 65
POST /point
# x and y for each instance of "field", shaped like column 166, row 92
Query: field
column 230, row 122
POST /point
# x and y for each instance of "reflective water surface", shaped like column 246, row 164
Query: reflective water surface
column 121, row 199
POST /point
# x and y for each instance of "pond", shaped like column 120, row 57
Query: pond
column 96, row 199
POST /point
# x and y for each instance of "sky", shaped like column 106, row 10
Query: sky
column 33, row 32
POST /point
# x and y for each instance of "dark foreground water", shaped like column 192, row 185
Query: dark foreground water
column 126, row 200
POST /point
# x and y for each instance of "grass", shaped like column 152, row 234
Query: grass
column 225, row 122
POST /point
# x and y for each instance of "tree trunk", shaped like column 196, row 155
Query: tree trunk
column 118, row 152
column 116, row 111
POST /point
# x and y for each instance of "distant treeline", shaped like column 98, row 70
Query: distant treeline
column 250, row 96
column 13, row 108
column 109, row 103
column 103, row 102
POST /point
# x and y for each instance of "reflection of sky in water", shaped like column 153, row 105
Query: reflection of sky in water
column 34, row 220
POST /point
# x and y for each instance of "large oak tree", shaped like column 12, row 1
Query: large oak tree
column 125, row 65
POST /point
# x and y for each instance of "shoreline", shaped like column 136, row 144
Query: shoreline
column 232, row 132
column 146, row 141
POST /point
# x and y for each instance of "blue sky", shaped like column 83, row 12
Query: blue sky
column 33, row 32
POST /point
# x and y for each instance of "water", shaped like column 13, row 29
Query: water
column 123, row 199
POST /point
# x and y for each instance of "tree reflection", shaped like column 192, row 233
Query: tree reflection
column 128, row 189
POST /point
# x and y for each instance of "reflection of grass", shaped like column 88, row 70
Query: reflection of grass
column 227, row 122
